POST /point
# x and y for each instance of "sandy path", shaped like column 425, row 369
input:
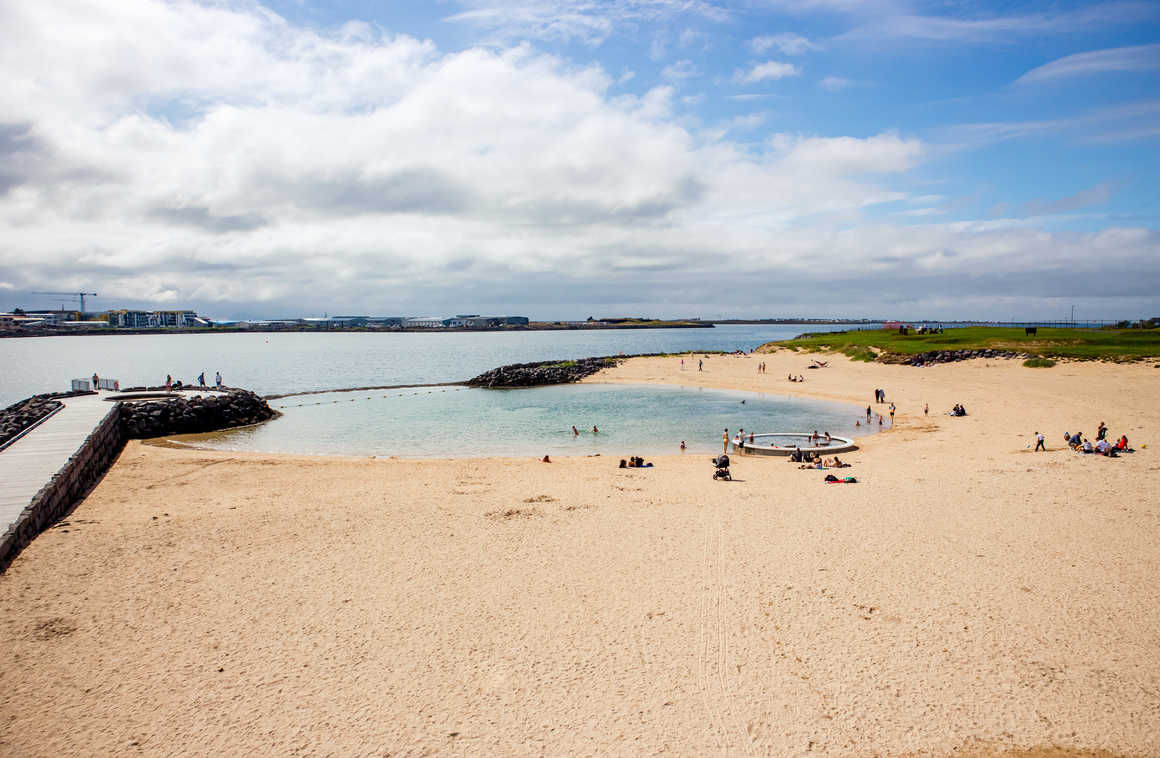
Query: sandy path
column 966, row 592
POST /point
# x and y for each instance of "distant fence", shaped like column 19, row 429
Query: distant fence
column 86, row 385
column 1008, row 324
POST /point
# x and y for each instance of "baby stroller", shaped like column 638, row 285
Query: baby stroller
column 722, row 464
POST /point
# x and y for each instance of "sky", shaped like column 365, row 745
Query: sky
column 561, row 159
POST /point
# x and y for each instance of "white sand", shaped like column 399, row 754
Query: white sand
column 965, row 597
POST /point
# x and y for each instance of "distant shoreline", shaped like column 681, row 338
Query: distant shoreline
column 545, row 326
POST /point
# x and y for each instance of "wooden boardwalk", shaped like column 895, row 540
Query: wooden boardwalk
column 31, row 461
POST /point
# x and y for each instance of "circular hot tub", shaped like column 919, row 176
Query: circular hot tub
column 784, row 443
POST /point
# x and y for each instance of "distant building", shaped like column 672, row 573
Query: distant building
column 55, row 317
column 134, row 319
column 20, row 320
column 423, row 322
column 387, row 321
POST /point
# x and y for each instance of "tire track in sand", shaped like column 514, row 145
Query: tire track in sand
column 713, row 643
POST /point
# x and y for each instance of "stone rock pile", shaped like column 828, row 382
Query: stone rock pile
column 19, row 416
column 948, row 356
column 182, row 415
column 537, row 374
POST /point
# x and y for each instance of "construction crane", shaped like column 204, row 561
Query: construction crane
column 81, row 295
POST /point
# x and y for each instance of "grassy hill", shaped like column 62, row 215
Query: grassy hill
column 1081, row 344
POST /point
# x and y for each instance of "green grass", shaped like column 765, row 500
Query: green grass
column 1082, row 344
column 1038, row 363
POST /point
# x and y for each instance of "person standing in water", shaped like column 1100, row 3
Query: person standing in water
column 725, row 441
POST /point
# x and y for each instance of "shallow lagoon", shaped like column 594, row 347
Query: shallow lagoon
column 464, row 422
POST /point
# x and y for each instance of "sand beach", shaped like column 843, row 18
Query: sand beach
column 966, row 597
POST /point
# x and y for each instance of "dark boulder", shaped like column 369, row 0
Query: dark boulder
column 182, row 415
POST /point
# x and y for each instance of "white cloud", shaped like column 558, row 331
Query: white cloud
column 894, row 21
column 230, row 159
column 765, row 71
column 680, row 71
column 834, row 83
column 689, row 36
column 587, row 21
column 1138, row 58
column 788, row 43
column 882, row 154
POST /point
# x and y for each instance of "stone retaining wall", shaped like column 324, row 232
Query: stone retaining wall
column 125, row 420
column 947, row 356
column 82, row 472
column 538, row 374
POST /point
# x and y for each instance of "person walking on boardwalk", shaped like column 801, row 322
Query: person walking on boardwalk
column 96, row 381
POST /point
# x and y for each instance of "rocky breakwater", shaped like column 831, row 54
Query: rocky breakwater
column 947, row 356
column 192, row 415
column 538, row 374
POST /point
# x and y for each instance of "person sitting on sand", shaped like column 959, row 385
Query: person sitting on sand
column 623, row 463
column 545, row 459
column 1123, row 443
column 1087, row 446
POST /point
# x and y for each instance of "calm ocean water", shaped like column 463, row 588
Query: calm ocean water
column 439, row 421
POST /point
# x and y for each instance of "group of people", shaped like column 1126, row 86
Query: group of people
column 634, row 461
column 958, row 410
column 576, row 432
column 813, row 460
column 761, row 367
column 170, row 383
column 798, row 378
column 1102, row 446
column 880, row 396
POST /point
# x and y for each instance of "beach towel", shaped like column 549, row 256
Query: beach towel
column 831, row 479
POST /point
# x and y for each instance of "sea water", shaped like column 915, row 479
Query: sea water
column 459, row 422
column 455, row 422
